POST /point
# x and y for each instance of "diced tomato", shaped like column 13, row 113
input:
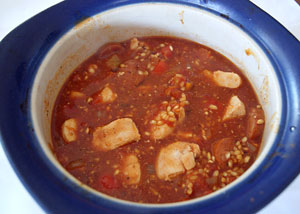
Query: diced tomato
column 166, row 52
column 161, row 67
column 96, row 98
column 109, row 182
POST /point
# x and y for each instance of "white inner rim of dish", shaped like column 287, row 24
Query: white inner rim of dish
column 154, row 19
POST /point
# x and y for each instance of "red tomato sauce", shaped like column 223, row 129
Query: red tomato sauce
column 169, row 90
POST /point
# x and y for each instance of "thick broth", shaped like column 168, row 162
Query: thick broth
column 144, row 80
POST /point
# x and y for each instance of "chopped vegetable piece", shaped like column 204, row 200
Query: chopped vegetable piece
column 166, row 52
column 161, row 67
column 134, row 43
column 75, row 164
column 113, row 62
column 109, row 182
column 77, row 95
column 221, row 150
column 254, row 129
column 110, row 49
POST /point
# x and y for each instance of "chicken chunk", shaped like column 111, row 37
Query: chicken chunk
column 69, row 130
column 105, row 96
column 166, row 122
column 134, row 43
column 108, row 95
column 175, row 159
column 227, row 79
column 131, row 169
column 115, row 134
column 234, row 109
column 255, row 125
column 161, row 131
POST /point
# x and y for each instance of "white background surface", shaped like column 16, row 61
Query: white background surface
column 14, row 199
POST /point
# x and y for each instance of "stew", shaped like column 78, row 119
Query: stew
column 157, row 120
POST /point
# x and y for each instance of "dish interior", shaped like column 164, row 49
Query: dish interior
column 155, row 19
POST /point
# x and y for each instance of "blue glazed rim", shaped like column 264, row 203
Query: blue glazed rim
column 22, row 51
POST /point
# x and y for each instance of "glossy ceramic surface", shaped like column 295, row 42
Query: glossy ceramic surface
column 22, row 52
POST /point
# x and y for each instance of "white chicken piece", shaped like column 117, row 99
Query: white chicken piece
column 131, row 169
column 134, row 43
column 160, row 130
column 107, row 95
column 227, row 79
column 69, row 130
column 234, row 109
column 175, row 159
column 115, row 134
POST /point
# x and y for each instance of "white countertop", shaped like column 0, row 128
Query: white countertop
column 15, row 199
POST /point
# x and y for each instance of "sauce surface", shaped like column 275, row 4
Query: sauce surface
column 157, row 120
